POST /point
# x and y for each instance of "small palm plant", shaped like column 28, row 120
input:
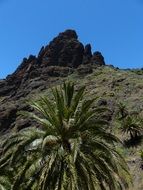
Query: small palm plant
column 122, row 111
column 70, row 150
column 133, row 126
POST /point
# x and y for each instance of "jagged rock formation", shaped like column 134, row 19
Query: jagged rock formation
column 64, row 50
column 63, row 56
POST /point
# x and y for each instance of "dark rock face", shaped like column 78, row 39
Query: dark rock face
column 58, row 59
column 59, row 71
column 64, row 55
column 98, row 59
column 7, row 116
column 87, row 54
column 84, row 69
column 64, row 50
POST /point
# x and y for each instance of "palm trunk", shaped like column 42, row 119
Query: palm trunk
column 67, row 145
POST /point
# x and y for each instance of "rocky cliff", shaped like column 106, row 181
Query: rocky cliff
column 64, row 55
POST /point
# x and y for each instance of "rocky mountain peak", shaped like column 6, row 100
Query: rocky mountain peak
column 61, row 56
column 68, row 34
column 64, row 50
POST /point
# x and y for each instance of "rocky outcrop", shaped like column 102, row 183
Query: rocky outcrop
column 64, row 50
column 58, row 59
column 64, row 55
column 97, row 59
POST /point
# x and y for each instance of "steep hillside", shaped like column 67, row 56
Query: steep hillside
column 65, row 58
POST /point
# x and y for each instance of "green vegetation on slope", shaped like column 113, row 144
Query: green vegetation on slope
column 111, row 86
column 71, row 149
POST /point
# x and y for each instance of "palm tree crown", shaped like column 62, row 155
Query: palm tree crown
column 132, row 125
column 70, row 150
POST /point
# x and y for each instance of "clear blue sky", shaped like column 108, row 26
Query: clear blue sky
column 114, row 27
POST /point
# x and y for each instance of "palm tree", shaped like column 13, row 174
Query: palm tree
column 122, row 111
column 133, row 126
column 70, row 150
